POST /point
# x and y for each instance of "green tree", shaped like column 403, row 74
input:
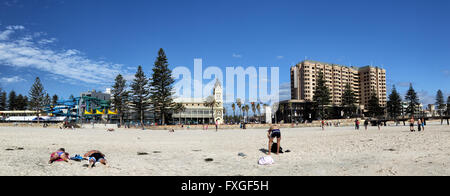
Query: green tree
column 120, row 97
column 12, row 100
column 394, row 104
column 179, row 108
column 239, row 104
column 37, row 95
column 448, row 105
column 161, row 86
column 374, row 108
column 47, row 100
column 3, row 101
column 211, row 102
column 139, row 94
column 412, row 99
column 253, row 105
column 349, row 101
column 321, row 96
column 55, row 99
column 258, row 107
column 440, row 102
column 233, row 106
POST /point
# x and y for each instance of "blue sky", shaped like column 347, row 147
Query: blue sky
column 74, row 46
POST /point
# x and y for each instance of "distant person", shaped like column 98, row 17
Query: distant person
column 274, row 132
column 356, row 124
column 217, row 125
column 379, row 124
column 59, row 155
column 95, row 156
column 411, row 124
column 423, row 124
column 419, row 124
column 366, row 123
column 323, row 125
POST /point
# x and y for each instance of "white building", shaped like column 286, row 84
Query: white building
column 197, row 113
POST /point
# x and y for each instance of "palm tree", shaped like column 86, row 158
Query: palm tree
column 233, row 106
column 253, row 109
column 290, row 108
column 281, row 108
column 211, row 102
column 179, row 107
column 246, row 108
column 258, row 107
column 239, row 104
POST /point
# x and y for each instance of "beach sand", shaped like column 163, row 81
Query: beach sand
column 335, row 151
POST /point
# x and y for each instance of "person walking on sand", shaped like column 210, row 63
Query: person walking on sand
column 411, row 124
column 274, row 132
column 59, row 155
column 95, row 156
column 366, row 123
column 423, row 124
column 379, row 124
column 323, row 125
column 419, row 124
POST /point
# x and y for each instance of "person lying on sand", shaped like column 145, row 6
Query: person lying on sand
column 273, row 132
column 59, row 155
column 95, row 156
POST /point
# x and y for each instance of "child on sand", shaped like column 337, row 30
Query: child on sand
column 59, row 155
column 274, row 132
column 411, row 124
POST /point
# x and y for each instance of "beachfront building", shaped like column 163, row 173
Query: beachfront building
column 197, row 113
column 364, row 81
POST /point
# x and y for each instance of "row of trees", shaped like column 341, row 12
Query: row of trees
column 146, row 94
column 245, row 108
column 13, row 102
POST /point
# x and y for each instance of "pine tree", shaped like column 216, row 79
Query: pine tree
column 19, row 102
column 321, row 96
column 448, row 106
column 348, row 101
column 440, row 102
column 161, row 87
column 3, row 101
column 394, row 104
column 12, row 100
column 413, row 100
column 139, row 94
column 121, row 96
column 374, row 108
column 37, row 93
column 47, row 100
column 55, row 99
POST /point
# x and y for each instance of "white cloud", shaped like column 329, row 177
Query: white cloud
column 237, row 55
column 72, row 64
column 13, row 79
column 280, row 57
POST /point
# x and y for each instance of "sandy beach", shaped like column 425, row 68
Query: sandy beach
column 339, row 151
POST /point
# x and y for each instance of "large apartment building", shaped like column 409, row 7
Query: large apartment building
column 363, row 81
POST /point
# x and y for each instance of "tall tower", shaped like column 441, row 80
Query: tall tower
column 218, row 96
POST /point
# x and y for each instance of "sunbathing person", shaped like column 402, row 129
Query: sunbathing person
column 59, row 155
column 95, row 156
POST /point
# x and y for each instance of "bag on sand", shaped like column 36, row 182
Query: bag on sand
column 267, row 160
column 274, row 148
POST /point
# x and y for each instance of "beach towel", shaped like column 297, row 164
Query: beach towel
column 267, row 160
column 274, row 148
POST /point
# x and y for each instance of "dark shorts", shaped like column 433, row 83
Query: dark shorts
column 276, row 134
